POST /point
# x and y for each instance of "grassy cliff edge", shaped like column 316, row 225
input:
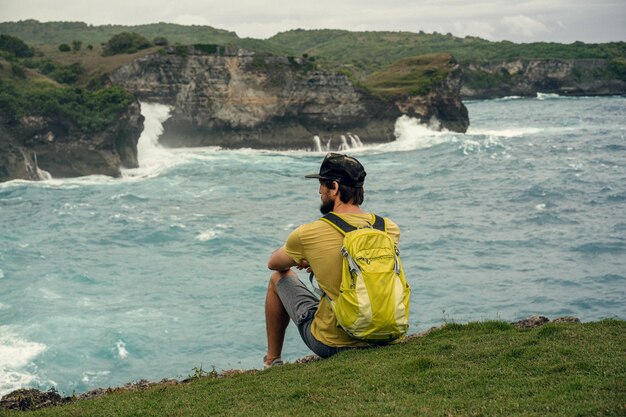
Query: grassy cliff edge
column 488, row 368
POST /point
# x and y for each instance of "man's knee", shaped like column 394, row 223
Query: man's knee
column 278, row 275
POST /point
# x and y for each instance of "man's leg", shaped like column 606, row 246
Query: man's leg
column 276, row 318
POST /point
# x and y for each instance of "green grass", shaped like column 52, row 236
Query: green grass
column 478, row 369
column 410, row 76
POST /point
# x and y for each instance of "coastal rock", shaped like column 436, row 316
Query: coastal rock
column 530, row 322
column 32, row 399
column 566, row 319
column 39, row 145
column 236, row 98
column 523, row 77
column 538, row 321
column 442, row 107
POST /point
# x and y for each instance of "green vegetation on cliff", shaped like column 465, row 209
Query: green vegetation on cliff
column 370, row 51
column 410, row 76
column 39, row 33
column 596, row 68
column 364, row 52
column 486, row 369
column 11, row 47
column 125, row 43
column 29, row 87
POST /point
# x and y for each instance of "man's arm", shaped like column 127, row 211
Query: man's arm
column 280, row 261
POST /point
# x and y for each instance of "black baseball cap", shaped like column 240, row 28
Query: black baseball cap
column 341, row 168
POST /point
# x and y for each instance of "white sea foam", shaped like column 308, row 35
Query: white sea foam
column 505, row 133
column 1, row 273
column 508, row 98
column 152, row 157
column 317, row 142
column 207, row 235
column 43, row 174
column 540, row 207
column 411, row 134
column 49, row 294
column 122, row 353
column 547, row 96
column 92, row 377
column 16, row 356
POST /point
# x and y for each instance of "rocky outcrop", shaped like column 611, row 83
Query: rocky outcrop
column 35, row 146
column 442, row 106
column 235, row 98
column 583, row 77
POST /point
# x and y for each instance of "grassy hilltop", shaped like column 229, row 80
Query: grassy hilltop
column 370, row 51
column 486, row 369
column 364, row 52
column 356, row 54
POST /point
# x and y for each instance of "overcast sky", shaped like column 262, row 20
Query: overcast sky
column 514, row 20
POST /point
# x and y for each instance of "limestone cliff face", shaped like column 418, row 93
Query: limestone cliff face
column 442, row 105
column 239, row 99
column 528, row 77
column 55, row 145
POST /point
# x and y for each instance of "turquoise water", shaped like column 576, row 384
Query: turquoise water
column 105, row 281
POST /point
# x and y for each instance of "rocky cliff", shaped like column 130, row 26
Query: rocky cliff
column 235, row 98
column 36, row 145
column 493, row 79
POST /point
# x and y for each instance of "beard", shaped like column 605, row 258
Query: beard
column 327, row 206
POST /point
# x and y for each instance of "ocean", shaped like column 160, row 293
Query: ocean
column 105, row 281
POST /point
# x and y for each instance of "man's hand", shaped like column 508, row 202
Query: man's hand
column 304, row 264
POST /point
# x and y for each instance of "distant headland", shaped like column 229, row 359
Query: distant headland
column 69, row 91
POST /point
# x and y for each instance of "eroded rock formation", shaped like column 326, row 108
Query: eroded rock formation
column 235, row 98
column 54, row 145
column 522, row 77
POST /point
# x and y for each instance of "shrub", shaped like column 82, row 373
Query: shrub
column 89, row 111
column 181, row 50
column 76, row 45
column 15, row 46
column 64, row 47
column 160, row 41
column 96, row 83
column 617, row 68
column 18, row 71
column 68, row 74
column 125, row 42
column 210, row 49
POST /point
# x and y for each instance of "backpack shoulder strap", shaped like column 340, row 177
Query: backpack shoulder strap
column 379, row 223
column 338, row 223
column 345, row 227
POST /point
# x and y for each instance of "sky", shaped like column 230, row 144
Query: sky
column 514, row 20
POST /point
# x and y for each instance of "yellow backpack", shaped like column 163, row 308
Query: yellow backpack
column 373, row 301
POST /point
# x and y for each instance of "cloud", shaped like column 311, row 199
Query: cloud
column 524, row 26
column 477, row 28
column 518, row 21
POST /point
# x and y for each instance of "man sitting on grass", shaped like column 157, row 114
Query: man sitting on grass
column 316, row 246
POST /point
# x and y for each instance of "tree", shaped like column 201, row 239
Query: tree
column 15, row 46
column 160, row 41
column 125, row 42
column 64, row 47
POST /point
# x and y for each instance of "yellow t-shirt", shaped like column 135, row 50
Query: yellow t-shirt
column 320, row 244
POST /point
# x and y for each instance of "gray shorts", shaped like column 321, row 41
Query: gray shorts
column 301, row 305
